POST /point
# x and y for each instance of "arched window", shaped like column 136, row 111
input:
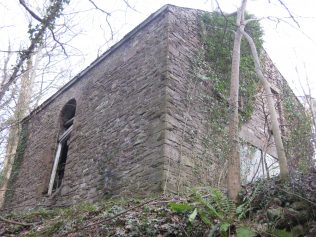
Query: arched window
column 67, row 114
column 66, row 118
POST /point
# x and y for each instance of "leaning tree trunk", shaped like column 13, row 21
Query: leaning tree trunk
column 233, row 175
column 284, row 170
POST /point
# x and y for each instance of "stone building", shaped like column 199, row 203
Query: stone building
column 134, row 122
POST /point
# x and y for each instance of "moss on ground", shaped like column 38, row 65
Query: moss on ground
column 267, row 208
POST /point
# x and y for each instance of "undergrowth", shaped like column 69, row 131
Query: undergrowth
column 266, row 208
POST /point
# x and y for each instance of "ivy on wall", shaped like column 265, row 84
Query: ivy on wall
column 218, row 39
column 298, row 145
column 213, row 65
column 19, row 155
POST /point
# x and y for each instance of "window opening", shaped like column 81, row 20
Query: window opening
column 256, row 164
column 58, row 171
column 61, row 166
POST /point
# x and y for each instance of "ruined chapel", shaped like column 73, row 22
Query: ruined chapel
column 135, row 122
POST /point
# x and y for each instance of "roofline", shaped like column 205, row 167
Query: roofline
column 107, row 53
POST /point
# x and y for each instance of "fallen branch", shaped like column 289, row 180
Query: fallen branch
column 16, row 222
column 299, row 196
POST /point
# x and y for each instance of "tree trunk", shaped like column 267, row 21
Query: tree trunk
column 233, row 175
column 21, row 110
column 284, row 170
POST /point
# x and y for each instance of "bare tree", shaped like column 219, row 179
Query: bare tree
column 41, row 67
column 20, row 111
column 36, row 38
column 234, row 159
column 284, row 170
column 233, row 181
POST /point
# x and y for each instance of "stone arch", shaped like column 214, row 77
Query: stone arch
column 67, row 114
column 66, row 120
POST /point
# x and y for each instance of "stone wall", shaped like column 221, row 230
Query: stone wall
column 186, row 162
column 116, row 144
column 143, row 121
column 191, row 159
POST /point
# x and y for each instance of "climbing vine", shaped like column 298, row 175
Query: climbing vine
column 17, row 161
column 218, row 38
column 213, row 66
column 298, row 144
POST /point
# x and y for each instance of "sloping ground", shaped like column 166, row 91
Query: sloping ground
column 109, row 218
column 267, row 208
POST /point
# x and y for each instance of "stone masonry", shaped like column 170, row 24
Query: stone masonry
column 139, row 126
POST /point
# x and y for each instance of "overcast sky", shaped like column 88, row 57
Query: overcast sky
column 291, row 48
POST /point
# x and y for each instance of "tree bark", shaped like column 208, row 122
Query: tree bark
column 52, row 13
column 284, row 170
column 233, row 175
column 20, row 111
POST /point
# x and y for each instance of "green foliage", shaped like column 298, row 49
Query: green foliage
column 245, row 232
column 218, row 38
column 52, row 229
column 18, row 159
column 48, row 22
column 41, row 213
column 193, row 215
column 223, row 229
column 284, row 233
column 180, row 207
column 216, row 205
column 213, row 65
column 298, row 145
column 215, row 210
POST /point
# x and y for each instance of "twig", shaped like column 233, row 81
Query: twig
column 58, row 42
column 108, row 14
column 93, row 3
column 52, row 14
column 311, row 202
column 17, row 223
column 30, row 11
column 11, row 51
column 129, row 6
column 289, row 12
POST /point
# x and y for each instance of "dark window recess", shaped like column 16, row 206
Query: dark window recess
column 68, row 114
column 61, row 166
column 67, row 117
column 68, row 123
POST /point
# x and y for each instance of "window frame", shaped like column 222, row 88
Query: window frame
column 61, row 142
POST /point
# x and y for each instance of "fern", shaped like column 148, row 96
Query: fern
column 208, row 206
column 216, row 205
column 222, row 203
column 217, row 211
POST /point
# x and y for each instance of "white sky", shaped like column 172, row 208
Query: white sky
column 292, row 50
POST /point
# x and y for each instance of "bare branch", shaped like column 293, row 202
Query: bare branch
column 58, row 42
column 93, row 3
column 129, row 6
column 11, row 51
column 30, row 11
column 107, row 16
column 289, row 12
column 278, row 20
column 16, row 222
column 52, row 14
